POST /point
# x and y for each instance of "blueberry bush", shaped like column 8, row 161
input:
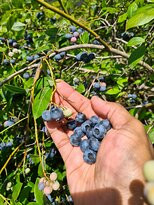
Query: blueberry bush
column 100, row 48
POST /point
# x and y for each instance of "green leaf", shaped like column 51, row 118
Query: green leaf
column 135, row 41
column 14, row 89
column 151, row 135
column 132, row 9
column 142, row 16
column 1, row 200
column 18, row 26
column 85, row 37
column 80, row 88
column 3, row 49
column 150, row 1
column 38, row 194
column 17, row 188
column 122, row 17
column 113, row 91
column 32, row 203
column 40, row 170
column 136, row 55
column 41, row 102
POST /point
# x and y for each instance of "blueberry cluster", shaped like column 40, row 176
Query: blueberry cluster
column 88, row 135
column 85, row 57
column 100, row 85
column 74, row 34
column 4, row 145
column 60, row 56
column 48, row 185
column 132, row 98
column 54, row 114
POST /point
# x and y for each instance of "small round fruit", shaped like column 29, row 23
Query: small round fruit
column 56, row 185
column 46, row 115
column 56, row 113
column 84, row 145
column 30, row 58
column 149, row 192
column 72, row 28
column 43, row 179
column 73, row 39
column 76, row 34
column 27, row 170
column 68, row 35
column 57, row 57
column 10, row 54
column 26, row 75
column 53, row 176
column 89, row 156
column 75, row 140
column 148, row 170
column 8, row 123
column 47, row 190
column 41, row 186
column 67, row 112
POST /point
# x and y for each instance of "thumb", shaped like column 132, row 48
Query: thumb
column 114, row 112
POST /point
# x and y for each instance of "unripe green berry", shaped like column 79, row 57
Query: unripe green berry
column 67, row 112
column 149, row 192
column 148, row 170
column 27, row 170
column 53, row 176
column 47, row 190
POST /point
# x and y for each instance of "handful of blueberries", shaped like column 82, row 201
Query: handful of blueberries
column 87, row 133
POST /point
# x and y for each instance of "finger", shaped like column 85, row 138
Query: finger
column 117, row 114
column 60, row 139
column 75, row 99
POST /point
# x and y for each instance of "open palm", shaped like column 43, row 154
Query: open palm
column 120, row 158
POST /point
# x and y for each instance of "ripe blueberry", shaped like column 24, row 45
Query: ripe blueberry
column 8, row 123
column 94, row 144
column 94, row 120
column 86, row 126
column 76, row 34
column 102, row 88
column 26, row 75
column 57, row 57
column 30, row 58
column 72, row 29
column 72, row 124
column 96, row 86
column 78, row 131
column 46, row 115
column 84, row 145
column 68, row 35
column 80, row 117
column 56, row 113
column 89, row 156
column 75, row 140
column 99, row 131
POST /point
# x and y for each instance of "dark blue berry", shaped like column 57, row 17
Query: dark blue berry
column 52, row 153
column 78, row 131
column 11, row 41
column 56, row 113
column 89, row 156
column 89, row 132
column 57, row 57
column 26, row 75
column 106, row 124
column 96, row 86
column 53, row 20
column 99, row 131
column 8, row 123
column 30, row 58
column 72, row 124
column 84, row 57
column 62, row 54
column 44, row 129
column 2, row 39
column 72, row 29
column 78, row 57
column 95, row 120
column 94, row 144
column 91, row 56
column 86, row 126
column 15, row 45
column 80, row 30
column 46, row 115
column 84, row 145
column 6, row 62
column 80, row 117
column 102, row 88
column 68, row 35
column 12, row 61
column 40, row 15
column 36, row 56
column 75, row 140
column 96, row 42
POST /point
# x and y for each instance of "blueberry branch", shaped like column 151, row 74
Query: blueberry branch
column 68, row 48
column 107, row 46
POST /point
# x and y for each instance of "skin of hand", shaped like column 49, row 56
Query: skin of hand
column 116, row 178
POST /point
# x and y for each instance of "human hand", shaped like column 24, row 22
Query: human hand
column 116, row 176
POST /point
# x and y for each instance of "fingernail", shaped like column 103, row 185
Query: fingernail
column 58, row 80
